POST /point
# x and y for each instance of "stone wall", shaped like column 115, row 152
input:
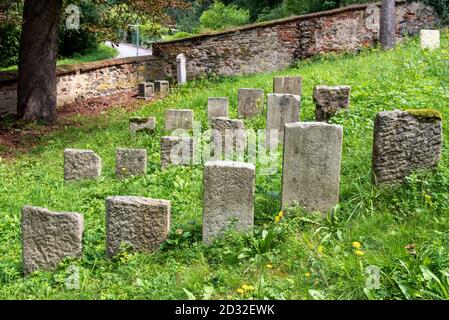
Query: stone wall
column 275, row 45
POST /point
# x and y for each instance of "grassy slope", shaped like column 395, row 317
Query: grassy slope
column 307, row 252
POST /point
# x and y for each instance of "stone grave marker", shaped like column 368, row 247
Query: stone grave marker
column 176, row 151
column 130, row 162
column 288, row 85
column 181, row 68
column 178, row 119
column 330, row 100
column 430, row 39
column 138, row 124
column 228, row 136
column 81, row 164
column 217, row 107
column 251, row 102
column 282, row 109
column 161, row 86
column 146, row 90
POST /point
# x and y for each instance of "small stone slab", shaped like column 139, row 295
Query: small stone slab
column 217, row 107
column 405, row 141
column 146, row 90
column 176, row 151
column 161, row 86
column 430, row 39
column 330, row 100
column 130, row 162
column 49, row 237
column 81, row 164
column 147, row 125
column 141, row 223
column 289, row 85
column 229, row 137
column 282, row 109
column 251, row 102
column 311, row 169
column 178, row 119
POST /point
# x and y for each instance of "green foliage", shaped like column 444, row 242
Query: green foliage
column 220, row 16
column 9, row 45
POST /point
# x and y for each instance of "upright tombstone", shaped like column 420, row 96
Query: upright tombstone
column 176, row 151
column 178, row 119
column 288, row 85
column 405, row 141
column 146, row 90
column 229, row 137
column 130, row 162
column 311, row 169
column 330, row 100
column 81, row 164
column 282, row 109
column 138, row 124
column 217, row 107
column 228, row 197
column 140, row 223
column 251, row 102
column 181, row 68
column 161, row 86
column 49, row 237
column 430, row 39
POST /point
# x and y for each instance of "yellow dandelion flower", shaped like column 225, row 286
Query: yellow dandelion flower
column 269, row 266
column 359, row 253
column 308, row 274
column 279, row 217
column 357, row 245
column 320, row 249
column 241, row 291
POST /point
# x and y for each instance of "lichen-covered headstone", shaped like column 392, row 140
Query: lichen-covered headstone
column 161, row 86
column 288, row 85
column 146, row 90
column 229, row 137
column 430, row 39
column 251, row 102
column 330, row 100
column 176, row 151
column 282, row 109
column 178, row 119
column 147, row 125
column 217, row 107
column 81, row 164
column 228, row 197
column 130, row 162
column 181, row 68
column 49, row 237
column 311, row 169
column 139, row 223
column 405, row 141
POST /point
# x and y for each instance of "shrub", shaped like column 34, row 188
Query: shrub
column 220, row 16
column 9, row 45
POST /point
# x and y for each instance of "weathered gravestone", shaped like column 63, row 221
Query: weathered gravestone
column 405, row 141
column 311, row 169
column 130, row 162
column 81, row 164
column 49, row 237
column 176, row 151
column 137, row 124
column 141, row 223
column 178, row 119
column 430, row 39
column 251, row 102
column 228, row 136
column 330, row 100
column 288, row 85
column 228, row 197
column 146, row 90
column 217, row 107
column 282, row 109
column 161, row 86
column 181, row 68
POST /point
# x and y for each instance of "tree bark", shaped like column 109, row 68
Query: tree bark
column 387, row 34
column 36, row 88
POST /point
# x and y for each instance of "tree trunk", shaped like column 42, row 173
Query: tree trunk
column 36, row 88
column 388, row 24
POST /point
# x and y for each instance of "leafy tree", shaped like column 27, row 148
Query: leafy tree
column 220, row 16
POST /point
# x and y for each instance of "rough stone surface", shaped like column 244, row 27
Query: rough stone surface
column 311, row 170
column 289, row 85
column 178, row 119
column 229, row 137
column 141, row 223
column 251, row 102
column 330, row 100
column 161, row 86
column 228, row 195
column 147, row 125
column 49, row 237
column 176, row 151
column 146, row 89
column 217, row 107
column 282, row 109
column 81, row 164
column 130, row 162
column 181, row 68
column 430, row 39
column 403, row 143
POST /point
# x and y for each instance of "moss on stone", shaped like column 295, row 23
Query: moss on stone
column 425, row 113
column 138, row 120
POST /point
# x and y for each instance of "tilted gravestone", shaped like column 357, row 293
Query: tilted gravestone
column 228, row 136
column 288, row 85
column 81, row 164
column 137, row 124
column 176, row 151
column 49, row 237
column 140, row 223
column 282, row 109
column 161, row 86
column 251, row 102
column 130, row 162
column 217, row 107
column 228, row 197
column 311, row 169
column 330, row 100
column 430, row 39
column 181, row 68
column 405, row 141
column 178, row 119
column 146, row 90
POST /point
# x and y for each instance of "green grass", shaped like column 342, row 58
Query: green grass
column 103, row 52
column 311, row 257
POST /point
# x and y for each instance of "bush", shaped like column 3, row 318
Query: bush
column 9, row 45
column 220, row 16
